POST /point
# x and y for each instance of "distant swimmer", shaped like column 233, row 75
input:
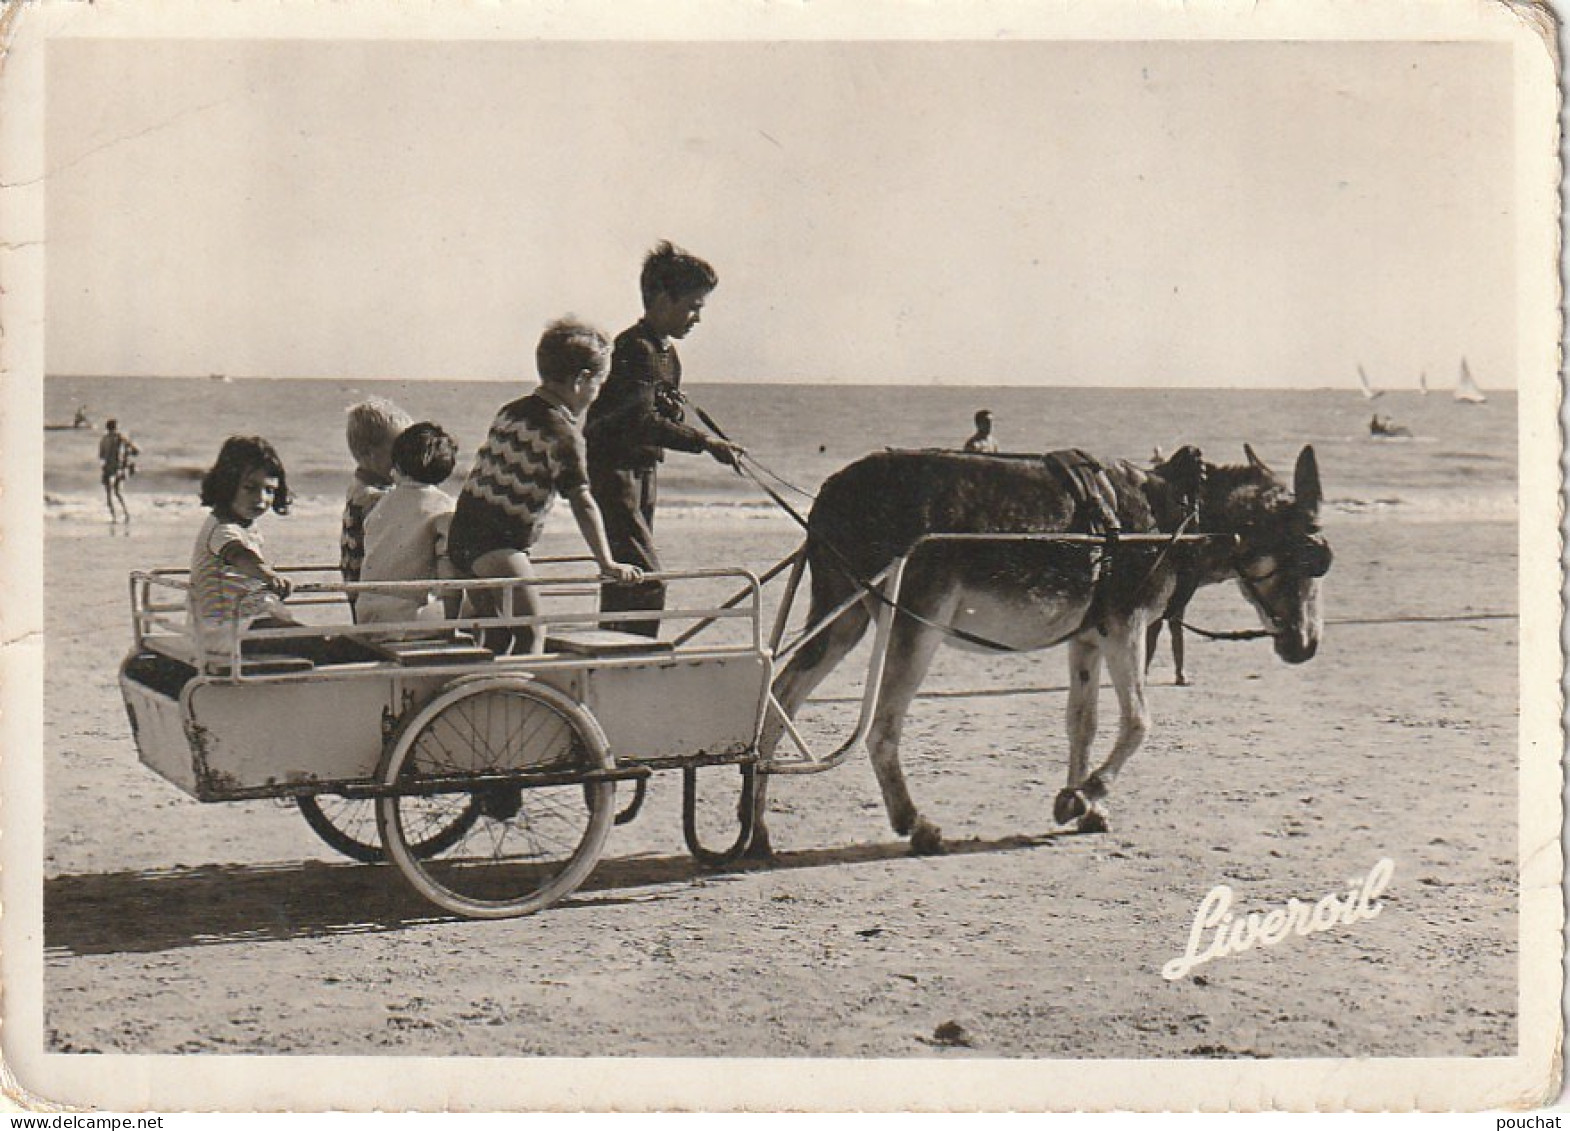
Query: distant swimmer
column 117, row 455
column 80, row 420
column 983, row 440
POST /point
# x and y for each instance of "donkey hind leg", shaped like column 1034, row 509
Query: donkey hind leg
column 911, row 649
column 1128, row 680
column 1084, row 687
column 806, row 669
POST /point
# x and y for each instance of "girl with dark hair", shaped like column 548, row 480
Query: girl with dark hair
column 239, row 455
column 231, row 583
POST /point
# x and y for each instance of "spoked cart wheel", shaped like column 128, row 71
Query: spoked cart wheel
column 527, row 755
column 348, row 824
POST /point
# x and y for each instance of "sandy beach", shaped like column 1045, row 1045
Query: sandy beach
column 177, row 927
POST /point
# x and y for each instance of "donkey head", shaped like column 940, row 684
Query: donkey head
column 1281, row 555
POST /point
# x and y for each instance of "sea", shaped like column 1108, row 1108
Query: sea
column 1460, row 463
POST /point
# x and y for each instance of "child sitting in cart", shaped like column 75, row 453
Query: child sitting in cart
column 406, row 534
column 372, row 427
column 232, row 587
column 534, row 451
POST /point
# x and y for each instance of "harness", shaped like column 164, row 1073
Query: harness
column 1085, row 480
column 1308, row 553
column 1081, row 475
column 1305, row 552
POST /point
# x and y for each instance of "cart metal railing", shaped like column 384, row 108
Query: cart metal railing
column 160, row 616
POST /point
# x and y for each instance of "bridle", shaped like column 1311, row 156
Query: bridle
column 1306, row 554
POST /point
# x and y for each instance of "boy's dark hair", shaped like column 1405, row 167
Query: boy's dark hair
column 568, row 347
column 425, row 453
column 239, row 456
column 670, row 271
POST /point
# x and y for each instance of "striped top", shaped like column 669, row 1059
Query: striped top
column 364, row 493
column 534, row 452
column 220, row 597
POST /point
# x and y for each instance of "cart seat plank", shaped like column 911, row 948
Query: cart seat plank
column 434, row 650
column 179, row 648
column 270, row 665
column 601, row 642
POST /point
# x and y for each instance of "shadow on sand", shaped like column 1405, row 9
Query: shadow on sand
column 219, row 904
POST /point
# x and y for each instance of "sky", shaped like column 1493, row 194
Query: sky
column 1054, row 213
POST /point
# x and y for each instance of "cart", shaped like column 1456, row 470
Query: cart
column 489, row 780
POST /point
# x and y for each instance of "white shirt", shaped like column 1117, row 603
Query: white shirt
column 404, row 538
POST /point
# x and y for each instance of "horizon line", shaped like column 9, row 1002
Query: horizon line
column 929, row 382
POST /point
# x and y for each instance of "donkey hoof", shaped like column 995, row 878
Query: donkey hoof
column 1092, row 822
column 927, row 839
column 1070, row 803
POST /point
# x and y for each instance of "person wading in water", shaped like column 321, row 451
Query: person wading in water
column 117, row 455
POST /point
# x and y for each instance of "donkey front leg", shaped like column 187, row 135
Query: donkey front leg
column 911, row 648
column 1084, row 667
column 1125, row 664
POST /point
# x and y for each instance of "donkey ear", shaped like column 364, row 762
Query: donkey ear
column 1305, row 481
column 1253, row 460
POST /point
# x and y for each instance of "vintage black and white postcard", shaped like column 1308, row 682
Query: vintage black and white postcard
column 843, row 556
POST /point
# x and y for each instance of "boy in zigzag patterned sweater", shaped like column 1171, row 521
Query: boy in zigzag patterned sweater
column 534, row 452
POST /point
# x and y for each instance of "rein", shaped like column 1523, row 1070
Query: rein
column 1245, row 634
column 1250, row 584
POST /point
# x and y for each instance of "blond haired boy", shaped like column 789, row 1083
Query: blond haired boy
column 372, row 426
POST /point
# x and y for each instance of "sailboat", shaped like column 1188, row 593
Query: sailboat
column 1467, row 391
column 1422, row 384
column 1369, row 392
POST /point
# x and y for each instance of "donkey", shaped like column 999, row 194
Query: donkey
column 1024, row 596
